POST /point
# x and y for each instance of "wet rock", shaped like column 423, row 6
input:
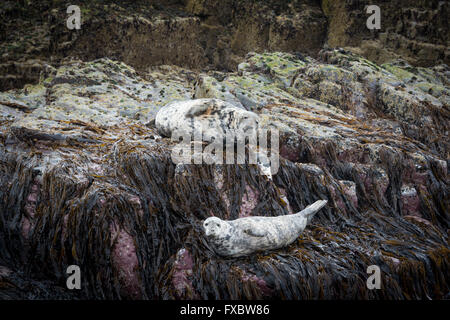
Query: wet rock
column 410, row 201
column 126, row 262
column 182, row 275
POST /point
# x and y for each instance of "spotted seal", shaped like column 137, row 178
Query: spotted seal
column 208, row 119
column 247, row 235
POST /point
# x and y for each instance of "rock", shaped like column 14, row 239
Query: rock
column 249, row 202
column 126, row 262
column 213, row 34
column 350, row 191
column 182, row 275
column 191, row 34
column 82, row 165
column 405, row 31
column 410, row 201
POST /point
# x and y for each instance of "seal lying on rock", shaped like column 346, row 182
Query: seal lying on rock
column 247, row 235
column 205, row 118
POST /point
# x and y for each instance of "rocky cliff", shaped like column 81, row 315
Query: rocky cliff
column 211, row 34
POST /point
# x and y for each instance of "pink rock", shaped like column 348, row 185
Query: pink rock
column 414, row 173
column 182, row 275
column 319, row 159
column 410, row 201
column 348, row 189
column 249, row 198
column 126, row 262
column 249, row 202
column 375, row 179
column 289, row 153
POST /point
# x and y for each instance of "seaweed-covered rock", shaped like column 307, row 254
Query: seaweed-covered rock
column 86, row 179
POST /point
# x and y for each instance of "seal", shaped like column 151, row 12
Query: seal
column 207, row 119
column 247, row 235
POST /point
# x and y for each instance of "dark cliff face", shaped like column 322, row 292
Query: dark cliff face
column 192, row 34
column 87, row 179
column 213, row 34
column 414, row 30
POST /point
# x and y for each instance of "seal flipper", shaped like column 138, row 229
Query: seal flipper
column 312, row 209
column 255, row 232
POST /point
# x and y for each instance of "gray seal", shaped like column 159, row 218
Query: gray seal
column 206, row 119
column 247, row 235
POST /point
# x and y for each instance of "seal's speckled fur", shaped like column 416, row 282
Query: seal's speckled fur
column 247, row 235
column 208, row 119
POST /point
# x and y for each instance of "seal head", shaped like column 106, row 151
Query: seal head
column 215, row 228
